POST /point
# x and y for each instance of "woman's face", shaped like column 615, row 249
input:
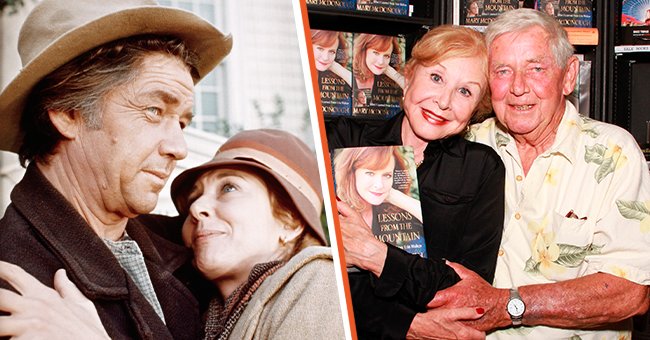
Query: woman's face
column 378, row 61
column 325, row 55
column 231, row 226
column 549, row 8
column 373, row 185
column 473, row 8
column 439, row 99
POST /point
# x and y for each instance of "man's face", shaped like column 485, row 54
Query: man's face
column 527, row 86
column 130, row 158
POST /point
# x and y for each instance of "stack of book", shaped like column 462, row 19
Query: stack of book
column 392, row 7
column 359, row 74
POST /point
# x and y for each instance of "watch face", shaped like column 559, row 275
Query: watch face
column 516, row 307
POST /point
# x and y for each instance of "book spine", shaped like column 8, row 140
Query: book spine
column 335, row 4
column 395, row 7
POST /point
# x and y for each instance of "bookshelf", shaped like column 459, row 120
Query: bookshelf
column 424, row 14
column 630, row 55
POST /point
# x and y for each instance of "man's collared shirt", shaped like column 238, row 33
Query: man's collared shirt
column 583, row 208
column 128, row 254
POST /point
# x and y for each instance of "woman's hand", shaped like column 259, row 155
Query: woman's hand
column 40, row 312
column 361, row 247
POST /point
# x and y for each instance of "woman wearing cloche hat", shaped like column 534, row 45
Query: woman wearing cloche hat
column 252, row 219
column 253, row 222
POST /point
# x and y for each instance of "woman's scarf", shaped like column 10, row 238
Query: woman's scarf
column 222, row 316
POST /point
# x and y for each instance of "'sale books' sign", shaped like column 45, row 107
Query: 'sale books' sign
column 380, row 182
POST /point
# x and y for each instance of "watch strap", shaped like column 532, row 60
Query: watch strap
column 514, row 295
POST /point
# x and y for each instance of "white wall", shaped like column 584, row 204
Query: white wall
column 10, row 171
column 265, row 62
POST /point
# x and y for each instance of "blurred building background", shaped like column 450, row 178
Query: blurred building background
column 260, row 84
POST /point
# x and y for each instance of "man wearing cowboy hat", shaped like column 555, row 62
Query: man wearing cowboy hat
column 97, row 113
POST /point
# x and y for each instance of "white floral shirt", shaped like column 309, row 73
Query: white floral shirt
column 583, row 207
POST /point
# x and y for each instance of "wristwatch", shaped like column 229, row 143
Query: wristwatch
column 515, row 307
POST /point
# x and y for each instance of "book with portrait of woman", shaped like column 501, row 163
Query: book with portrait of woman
column 395, row 7
column 570, row 13
column 333, row 61
column 380, row 182
column 479, row 13
column 377, row 79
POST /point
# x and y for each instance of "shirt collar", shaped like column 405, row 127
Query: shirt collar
column 566, row 138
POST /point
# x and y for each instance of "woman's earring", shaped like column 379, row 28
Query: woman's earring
column 283, row 241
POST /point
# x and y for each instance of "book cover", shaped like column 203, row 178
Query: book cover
column 635, row 22
column 570, row 13
column 396, row 7
column 333, row 61
column 380, row 182
column 635, row 13
column 377, row 81
column 337, row 4
column 479, row 13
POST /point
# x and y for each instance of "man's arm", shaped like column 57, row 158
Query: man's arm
column 587, row 302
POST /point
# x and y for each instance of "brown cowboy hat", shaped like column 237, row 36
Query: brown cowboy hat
column 57, row 31
column 279, row 154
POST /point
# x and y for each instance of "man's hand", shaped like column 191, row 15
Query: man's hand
column 474, row 291
column 40, row 312
column 361, row 247
column 443, row 323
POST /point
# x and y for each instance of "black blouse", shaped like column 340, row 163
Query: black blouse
column 462, row 197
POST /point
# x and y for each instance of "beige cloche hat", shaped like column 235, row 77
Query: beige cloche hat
column 57, row 31
column 279, row 154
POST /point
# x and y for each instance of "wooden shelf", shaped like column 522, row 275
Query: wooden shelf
column 327, row 18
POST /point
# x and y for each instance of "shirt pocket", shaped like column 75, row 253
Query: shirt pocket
column 573, row 238
column 572, row 231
